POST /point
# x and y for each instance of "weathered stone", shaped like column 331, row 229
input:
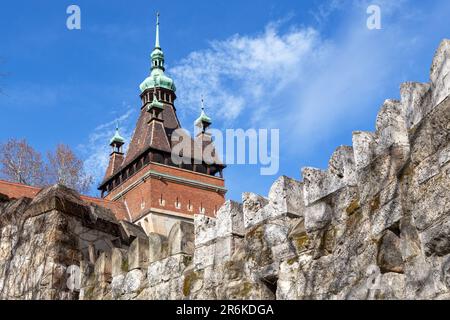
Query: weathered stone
column 364, row 147
column 391, row 125
column 286, row 197
column 119, row 262
column 253, row 206
column 181, row 238
column 440, row 69
column 205, row 229
column 389, row 254
column 132, row 231
column 317, row 216
column 102, row 267
column 436, row 239
column 158, row 247
column 138, row 254
column 230, row 220
column 414, row 99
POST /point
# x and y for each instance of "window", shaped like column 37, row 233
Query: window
column 162, row 202
column 177, row 204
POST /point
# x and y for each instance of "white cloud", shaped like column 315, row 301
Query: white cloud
column 312, row 86
column 240, row 73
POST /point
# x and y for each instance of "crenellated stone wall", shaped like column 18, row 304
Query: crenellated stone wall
column 374, row 225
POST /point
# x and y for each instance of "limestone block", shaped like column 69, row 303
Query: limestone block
column 415, row 101
column 389, row 254
column 364, row 147
column 133, row 281
column 225, row 248
column 204, row 256
column 252, row 207
column 132, row 231
column 230, row 220
column 317, row 216
column 432, row 136
column 392, row 286
column 436, row 239
column 163, row 270
column 286, row 197
column 341, row 173
column 283, row 251
column 444, row 156
column 391, row 126
column 119, row 262
column 430, row 201
column 439, row 76
column 181, row 238
column 103, row 268
column 86, row 269
column 427, row 169
column 381, row 172
column 205, row 229
column 158, row 247
column 386, row 216
column 342, row 165
column 314, row 185
column 138, row 254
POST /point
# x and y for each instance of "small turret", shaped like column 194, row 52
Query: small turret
column 203, row 122
column 117, row 142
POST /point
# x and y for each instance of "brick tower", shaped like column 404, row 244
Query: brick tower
column 156, row 191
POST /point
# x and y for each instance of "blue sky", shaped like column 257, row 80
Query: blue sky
column 310, row 68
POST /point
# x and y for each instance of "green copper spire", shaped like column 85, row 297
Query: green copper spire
column 157, row 31
column 157, row 77
column 203, row 121
column 117, row 138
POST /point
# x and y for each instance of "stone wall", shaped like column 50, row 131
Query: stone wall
column 374, row 225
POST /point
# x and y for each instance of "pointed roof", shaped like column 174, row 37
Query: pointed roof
column 203, row 119
column 117, row 138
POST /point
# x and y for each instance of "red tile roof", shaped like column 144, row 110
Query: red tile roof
column 16, row 191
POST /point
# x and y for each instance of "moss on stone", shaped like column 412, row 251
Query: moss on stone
column 353, row 207
column 291, row 261
column 189, row 279
column 246, row 290
column 301, row 241
column 124, row 266
column 375, row 204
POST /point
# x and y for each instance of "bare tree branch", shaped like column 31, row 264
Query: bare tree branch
column 65, row 168
column 21, row 163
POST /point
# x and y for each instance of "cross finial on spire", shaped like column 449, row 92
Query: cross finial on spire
column 157, row 31
column 203, row 104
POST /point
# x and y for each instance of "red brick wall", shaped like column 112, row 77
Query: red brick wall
column 148, row 195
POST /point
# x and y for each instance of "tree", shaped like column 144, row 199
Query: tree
column 21, row 163
column 65, row 168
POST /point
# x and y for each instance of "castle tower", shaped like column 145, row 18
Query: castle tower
column 156, row 191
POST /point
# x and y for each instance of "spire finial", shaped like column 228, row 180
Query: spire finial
column 157, row 31
column 203, row 104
